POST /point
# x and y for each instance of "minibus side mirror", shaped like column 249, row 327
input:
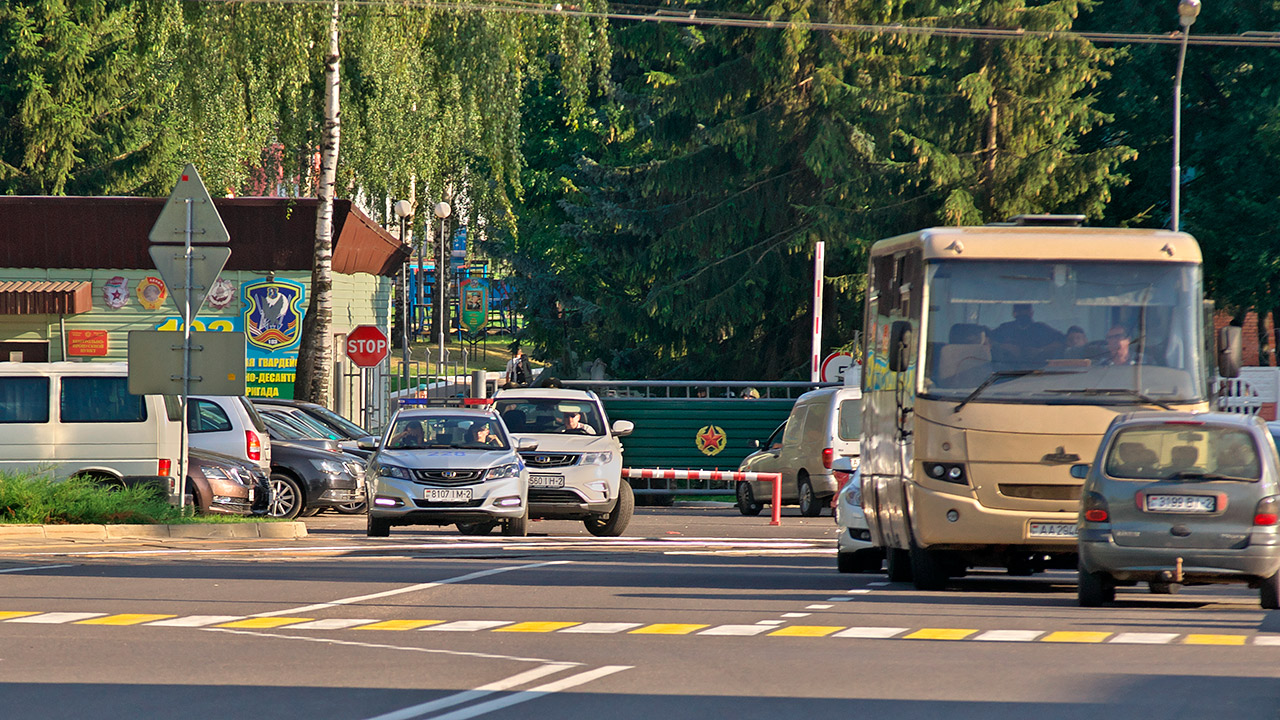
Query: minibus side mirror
column 1230, row 351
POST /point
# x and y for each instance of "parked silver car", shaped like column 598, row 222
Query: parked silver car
column 442, row 466
column 1177, row 499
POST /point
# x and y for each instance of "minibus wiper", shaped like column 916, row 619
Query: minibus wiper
column 999, row 375
column 1115, row 391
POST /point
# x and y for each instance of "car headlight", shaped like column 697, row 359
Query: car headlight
column 500, row 472
column 596, row 458
column 214, row 473
column 330, row 467
column 854, row 495
column 392, row 471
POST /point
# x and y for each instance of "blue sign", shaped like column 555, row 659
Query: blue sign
column 273, row 329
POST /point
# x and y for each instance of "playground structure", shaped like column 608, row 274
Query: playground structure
column 421, row 293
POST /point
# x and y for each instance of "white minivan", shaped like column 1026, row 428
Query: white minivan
column 78, row 418
column 825, row 424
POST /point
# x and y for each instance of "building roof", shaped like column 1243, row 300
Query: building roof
column 45, row 297
column 267, row 234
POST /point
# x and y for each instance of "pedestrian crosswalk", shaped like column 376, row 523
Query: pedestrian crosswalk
column 764, row 628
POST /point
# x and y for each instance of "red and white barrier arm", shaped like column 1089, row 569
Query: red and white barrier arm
column 725, row 475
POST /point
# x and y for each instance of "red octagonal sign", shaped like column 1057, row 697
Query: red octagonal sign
column 367, row 346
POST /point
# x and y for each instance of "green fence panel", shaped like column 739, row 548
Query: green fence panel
column 695, row 433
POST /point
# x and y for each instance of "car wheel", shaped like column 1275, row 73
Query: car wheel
column 1094, row 589
column 1269, row 592
column 616, row 523
column 516, row 527
column 377, row 527
column 747, row 504
column 354, row 508
column 286, row 497
column 928, row 568
column 899, row 562
column 859, row 561
column 482, row 527
column 309, row 511
column 809, row 505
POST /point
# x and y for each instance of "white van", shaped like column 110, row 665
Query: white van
column 824, row 424
column 79, row 419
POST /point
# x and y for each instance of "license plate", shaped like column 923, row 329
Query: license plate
column 448, row 494
column 1054, row 530
column 548, row 481
column 1181, row 503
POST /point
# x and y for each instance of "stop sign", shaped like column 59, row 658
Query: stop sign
column 367, row 346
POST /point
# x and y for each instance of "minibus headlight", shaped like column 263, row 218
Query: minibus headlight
column 947, row 472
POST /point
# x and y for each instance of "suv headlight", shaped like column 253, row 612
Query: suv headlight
column 330, row 467
column 596, row 458
column 501, row 472
column 212, row 472
column 392, row 471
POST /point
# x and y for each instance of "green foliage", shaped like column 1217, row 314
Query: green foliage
column 37, row 499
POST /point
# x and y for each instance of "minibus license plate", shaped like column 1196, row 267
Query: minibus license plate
column 1050, row 529
column 1182, row 503
column 547, row 481
column 449, row 494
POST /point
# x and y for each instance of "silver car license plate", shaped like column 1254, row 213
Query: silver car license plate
column 1181, row 503
column 1052, row 529
column 546, row 481
column 448, row 494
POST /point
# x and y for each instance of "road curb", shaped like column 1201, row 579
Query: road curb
column 196, row 531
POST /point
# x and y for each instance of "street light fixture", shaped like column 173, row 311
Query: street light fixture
column 442, row 211
column 1187, row 12
column 404, row 210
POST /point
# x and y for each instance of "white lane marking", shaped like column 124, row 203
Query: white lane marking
column 1010, row 635
column 796, row 615
column 771, row 622
column 807, row 551
column 1136, row 638
column 860, row 591
column 602, row 628
column 380, row 646
column 1267, row 640
column 411, row 588
column 871, row 633
column 466, row 625
column 36, row 567
column 532, row 693
column 55, row 618
column 192, row 621
column 469, row 695
column 332, row 624
column 818, row 607
column 736, row 630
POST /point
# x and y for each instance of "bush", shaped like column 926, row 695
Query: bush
column 38, row 499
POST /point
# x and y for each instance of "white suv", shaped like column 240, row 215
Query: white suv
column 576, row 471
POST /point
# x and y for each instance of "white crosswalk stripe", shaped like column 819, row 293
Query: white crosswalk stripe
column 1144, row 638
column 601, row 628
column 55, row 618
column 195, row 621
column 736, row 630
column 467, row 626
column 1010, row 635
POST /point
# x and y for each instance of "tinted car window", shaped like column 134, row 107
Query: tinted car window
column 24, row 400
column 204, row 416
column 850, row 424
column 253, row 415
column 1172, row 451
column 100, row 400
column 463, row 433
column 534, row 415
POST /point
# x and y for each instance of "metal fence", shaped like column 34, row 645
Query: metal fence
column 708, row 389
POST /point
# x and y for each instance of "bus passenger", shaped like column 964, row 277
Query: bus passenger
column 1022, row 338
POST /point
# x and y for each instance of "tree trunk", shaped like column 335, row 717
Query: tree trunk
column 315, row 355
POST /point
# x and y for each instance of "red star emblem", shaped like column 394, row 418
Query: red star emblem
column 710, row 437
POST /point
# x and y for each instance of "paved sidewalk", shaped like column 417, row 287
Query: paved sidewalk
column 26, row 535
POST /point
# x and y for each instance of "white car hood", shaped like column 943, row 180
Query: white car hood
column 570, row 442
column 450, row 459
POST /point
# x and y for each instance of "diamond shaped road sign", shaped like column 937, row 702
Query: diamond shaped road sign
column 206, row 262
column 206, row 224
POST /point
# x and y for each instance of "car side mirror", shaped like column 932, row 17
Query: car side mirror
column 368, row 442
column 843, row 464
column 623, row 428
column 754, row 444
column 1080, row 471
column 524, row 444
column 1230, row 351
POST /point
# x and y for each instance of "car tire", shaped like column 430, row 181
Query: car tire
column 859, row 561
column 809, row 504
column 747, row 504
column 309, row 511
column 516, row 527
column 928, row 568
column 480, row 527
column 377, row 527
column 286, row 497
column 616, row 523
column 899, row 562
column 1094, row 589
column 1269, row 592
column 354, row 508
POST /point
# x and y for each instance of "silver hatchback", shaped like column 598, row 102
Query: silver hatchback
column 444, row 466
column 1177, row 499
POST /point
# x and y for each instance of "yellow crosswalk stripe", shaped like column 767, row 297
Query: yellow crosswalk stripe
column 940, row 634
column 667, row 629
column 806, row 631
column 10, row 614
column 264, row 622
column 124, row 619
column 398, row 625
column 1215, row 640
column 1075, row 637
column 536, row 627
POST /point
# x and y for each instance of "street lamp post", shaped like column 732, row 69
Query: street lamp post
column 442, row 211
column 1187, row 12
column 404, row 210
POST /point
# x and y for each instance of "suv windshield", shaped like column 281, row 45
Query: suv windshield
column 417, row 432
column 1183, row 451
column 539, row 415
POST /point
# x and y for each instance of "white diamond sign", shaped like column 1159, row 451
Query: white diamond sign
column 206, row 262
column 205, row 223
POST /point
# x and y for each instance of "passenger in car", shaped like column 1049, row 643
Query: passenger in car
column 1183, row 458
column 1132, row 459
column 411, row 436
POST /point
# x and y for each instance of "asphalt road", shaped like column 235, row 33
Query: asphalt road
column 697, row 613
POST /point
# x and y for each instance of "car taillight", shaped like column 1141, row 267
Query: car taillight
column 1095, row 508
column 164, row 467
column 252, row 445
column 1268, row 511
column 828, row 454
